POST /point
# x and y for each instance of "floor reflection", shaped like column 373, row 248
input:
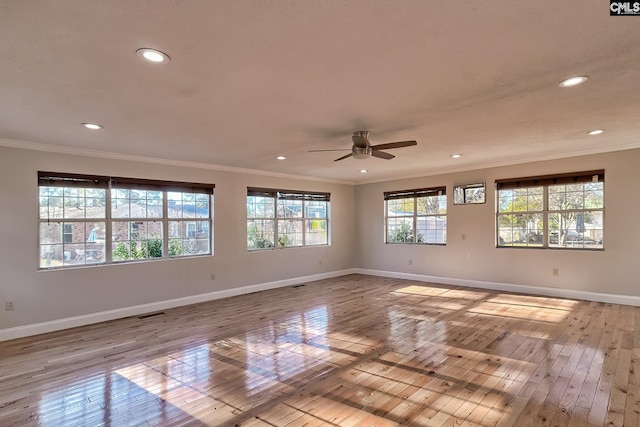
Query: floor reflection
column 352, row 351
column 108, row 399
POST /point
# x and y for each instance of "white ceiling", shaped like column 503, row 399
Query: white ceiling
column 250, row 80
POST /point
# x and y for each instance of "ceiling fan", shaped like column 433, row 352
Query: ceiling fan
column 362, row 148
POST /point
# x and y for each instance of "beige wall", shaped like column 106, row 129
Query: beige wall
column 41, row 296
column 357, row 239
column 616, row 270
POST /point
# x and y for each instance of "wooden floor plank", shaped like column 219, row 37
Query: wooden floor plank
column 354, row 350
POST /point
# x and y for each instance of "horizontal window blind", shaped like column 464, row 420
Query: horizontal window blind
column 72, row 180
column 421, row 192
column 565, row 178
column 289, row 194
column 97, row 181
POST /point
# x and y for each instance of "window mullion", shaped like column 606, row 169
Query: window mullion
column 386, row 221
column 276, row 226
column 545, row 216
column 108, row 244
column 165, row 224
column 304, row 225
column 415, row 220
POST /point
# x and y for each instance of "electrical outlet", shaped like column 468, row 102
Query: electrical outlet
column 213, row 276
column 555, row 271
column 8, row 306
column 410, row 262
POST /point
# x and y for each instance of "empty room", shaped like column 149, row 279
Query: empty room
column 319, row 213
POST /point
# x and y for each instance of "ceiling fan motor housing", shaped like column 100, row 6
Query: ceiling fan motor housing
column 360, row 139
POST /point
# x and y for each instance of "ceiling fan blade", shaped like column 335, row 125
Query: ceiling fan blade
column 390, row 145
column 382, row 155
column 337, row 149
column 344, row 157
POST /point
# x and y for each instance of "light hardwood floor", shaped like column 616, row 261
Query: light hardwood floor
column 354, row 350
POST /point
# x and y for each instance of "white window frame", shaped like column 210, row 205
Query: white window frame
column 538, row 234
column 279, row 220
column 100, row 251
column 412, row 196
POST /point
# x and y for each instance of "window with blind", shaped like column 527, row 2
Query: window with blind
column 87, row 219
column 416, row 216
column 285, row 218
column 554, row 211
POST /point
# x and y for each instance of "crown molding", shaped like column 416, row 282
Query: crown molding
column 507, row 163
column 27, row 145
column 58, row 149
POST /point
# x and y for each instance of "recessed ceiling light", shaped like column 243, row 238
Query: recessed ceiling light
column 363, row 171
column 596, row 132
column 573, row 81
column 92, row 126
column 152, row 55
column 281, row 158
column 456, row 156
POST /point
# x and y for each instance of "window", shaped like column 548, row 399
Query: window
column 468, row 194
column 96, row 220
column 416, row 216
column 556, row 211
column 284, row 218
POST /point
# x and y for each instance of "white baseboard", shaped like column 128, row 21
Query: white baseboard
column 103, row 316
column 509, row 287
column 87, row 319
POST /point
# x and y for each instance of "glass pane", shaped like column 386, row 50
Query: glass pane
column 536, row 202
column 71, row 243
column 202, row 205
column 594, row 195
column 188, row 205
column 400, row 207
column 315, row 209
column 136, row 240
column 174, row 201
column 94, row 242
column 580, row 230
column 431, row 229
column 505, row 201
column 316, row 232
column 563, row 197
column 289, row 208
column 400, row 230
column 73, row 207
column 521, row 230
column 51, row 248
column 71, row 203
column 290, row 231
column 431, row 205
column 528, row 199
column 260, row 207
column 188, row 238
column 136, row 204
column 260, row 234
column 95, row 207
column 154, row 208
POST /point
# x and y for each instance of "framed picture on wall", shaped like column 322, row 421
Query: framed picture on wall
column 469, row 194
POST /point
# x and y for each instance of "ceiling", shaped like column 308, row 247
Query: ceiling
column 251, row 80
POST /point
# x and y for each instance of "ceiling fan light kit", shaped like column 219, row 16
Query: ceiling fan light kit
column 361, row 152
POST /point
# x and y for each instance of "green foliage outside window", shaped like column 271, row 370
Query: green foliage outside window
column 256, row 240
column 404, row 234
column 151, row 248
